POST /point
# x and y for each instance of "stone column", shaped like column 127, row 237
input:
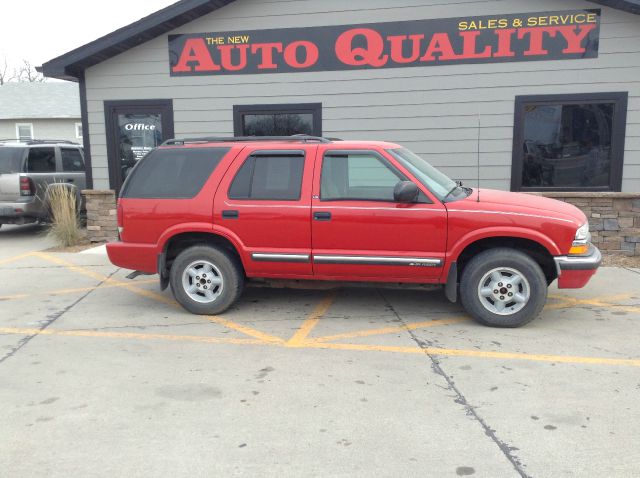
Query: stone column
column 102, row 222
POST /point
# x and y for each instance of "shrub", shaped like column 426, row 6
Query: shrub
column 65, row 226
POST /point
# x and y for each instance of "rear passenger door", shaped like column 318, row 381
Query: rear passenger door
column 265, row 201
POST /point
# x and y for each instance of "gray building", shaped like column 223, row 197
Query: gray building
column 40, row 111
column 548, row 91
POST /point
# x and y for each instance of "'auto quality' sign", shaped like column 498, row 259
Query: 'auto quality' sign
column 487, row 39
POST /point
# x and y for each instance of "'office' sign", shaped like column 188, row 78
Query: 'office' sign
column 487, row 39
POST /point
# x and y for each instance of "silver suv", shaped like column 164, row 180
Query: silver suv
column 27, row 171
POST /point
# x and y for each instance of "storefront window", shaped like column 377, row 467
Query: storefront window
column 278, row 120
column 569, row 142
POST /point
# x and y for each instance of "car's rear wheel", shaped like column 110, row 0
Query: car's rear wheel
column 206, row 280
column 503, row 288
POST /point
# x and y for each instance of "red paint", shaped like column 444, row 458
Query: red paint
column 360, row 228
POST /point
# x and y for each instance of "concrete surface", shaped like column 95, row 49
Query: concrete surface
column 100, row 376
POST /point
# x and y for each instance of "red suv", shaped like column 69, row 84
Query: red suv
column 208, row 214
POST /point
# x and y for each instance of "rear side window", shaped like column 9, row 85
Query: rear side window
column 41, row 160
column 269, row 176
column 177, row 173
column 11, row 160
column 71, row 160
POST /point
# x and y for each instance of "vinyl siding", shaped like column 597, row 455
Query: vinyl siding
column 432, row 110
column 43, row 128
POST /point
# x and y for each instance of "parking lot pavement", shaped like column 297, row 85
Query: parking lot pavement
column 15, row 240
column 102, row 376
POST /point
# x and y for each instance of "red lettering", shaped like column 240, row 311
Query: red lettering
column 266, row 53
column 397, row 44
column 574, row 40
column 225, row 57
column 311, row 54
column 441, row 44
column 195, row 51
column 469, row 45
column 536, row 38
column 504, row 43
column 371, row 55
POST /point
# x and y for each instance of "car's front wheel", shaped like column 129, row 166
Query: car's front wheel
column 503, row 288
column 206, row 280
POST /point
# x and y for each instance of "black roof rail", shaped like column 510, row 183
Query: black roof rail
column 46, row 141
column 38, row 141
column 238, row 139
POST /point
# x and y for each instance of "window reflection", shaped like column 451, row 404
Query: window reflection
column 567, row 145
column 284, row 124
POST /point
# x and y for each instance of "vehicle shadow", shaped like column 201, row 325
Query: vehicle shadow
column 10, row 231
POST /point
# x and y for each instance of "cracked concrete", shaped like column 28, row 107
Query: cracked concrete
column 106, row 380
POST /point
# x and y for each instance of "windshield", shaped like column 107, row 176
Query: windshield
column 438, row 183
column 10, row 160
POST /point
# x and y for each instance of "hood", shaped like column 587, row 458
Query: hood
column 519, row 202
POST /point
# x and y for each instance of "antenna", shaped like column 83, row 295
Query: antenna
column 478, row 151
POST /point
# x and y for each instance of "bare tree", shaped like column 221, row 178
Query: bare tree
column 26, row 72
column 4, row 71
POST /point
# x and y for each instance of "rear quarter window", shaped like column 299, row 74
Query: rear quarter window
column 176, row 173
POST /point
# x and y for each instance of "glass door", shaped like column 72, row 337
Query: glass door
column 133, row 129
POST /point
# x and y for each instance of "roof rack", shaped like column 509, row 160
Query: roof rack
column 38, row 141
column 305, row 138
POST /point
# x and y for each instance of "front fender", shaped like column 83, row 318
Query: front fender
column 507, row 232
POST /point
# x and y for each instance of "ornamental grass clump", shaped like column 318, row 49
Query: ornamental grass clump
column 65, row 226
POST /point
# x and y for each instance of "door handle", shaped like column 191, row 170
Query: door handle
column 228, row 214
column 322, row 216
column 70, row 180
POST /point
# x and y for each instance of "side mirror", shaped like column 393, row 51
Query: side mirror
column 405, row 192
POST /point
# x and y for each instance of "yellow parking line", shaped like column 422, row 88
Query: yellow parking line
column 160, row 298
column 74, row 290
column 13, row 297
column 299, row 338
column 129, row 335
column 15, row 258
column 261, row 336
column 328, row 346
column 478, row 354
column 392, row 330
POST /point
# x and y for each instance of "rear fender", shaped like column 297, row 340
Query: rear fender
column 206, row 228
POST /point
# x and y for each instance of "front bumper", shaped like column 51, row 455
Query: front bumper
column 575, row 271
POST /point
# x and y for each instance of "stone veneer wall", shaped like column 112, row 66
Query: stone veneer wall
column 614, row 218
column 102, row 222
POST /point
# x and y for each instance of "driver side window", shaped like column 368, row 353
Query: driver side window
column 360, row 176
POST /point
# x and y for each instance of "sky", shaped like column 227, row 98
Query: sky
column 40, row 30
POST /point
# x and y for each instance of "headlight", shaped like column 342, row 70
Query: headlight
column 582, row 234
column 581, row 241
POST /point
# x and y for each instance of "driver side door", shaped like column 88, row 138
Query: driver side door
column 360, row 233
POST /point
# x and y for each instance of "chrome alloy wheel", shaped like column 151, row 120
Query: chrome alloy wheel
column 504, row 291
column 202, row 281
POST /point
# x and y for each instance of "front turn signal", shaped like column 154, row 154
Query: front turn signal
column 579, row 249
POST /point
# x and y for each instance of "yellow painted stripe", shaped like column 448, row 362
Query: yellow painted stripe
column 15, row 258
column 261, row 336
column 129, row 335
column 308, row 325
column 392, row 330
column 75, row 290
column 478, row 354
column 317, row 345
column 161, row 298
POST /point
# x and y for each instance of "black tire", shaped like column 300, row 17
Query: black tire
column 503, row 261
column 225, row 266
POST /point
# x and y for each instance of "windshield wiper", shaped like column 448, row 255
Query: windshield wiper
column 451, row 192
